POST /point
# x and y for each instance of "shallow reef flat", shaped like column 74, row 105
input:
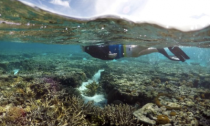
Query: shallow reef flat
column 44, row 91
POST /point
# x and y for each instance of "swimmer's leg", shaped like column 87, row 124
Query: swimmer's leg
column 174, row 58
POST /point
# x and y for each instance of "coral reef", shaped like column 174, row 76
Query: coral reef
column 147, row 113
column 117, row 115
column 91, row 89
column 45, row 102
column 162, row 119
column 69, row 111
column 45, row 91
column 15, row 115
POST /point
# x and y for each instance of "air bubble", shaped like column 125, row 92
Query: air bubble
column 11, row 32
column 125, row 30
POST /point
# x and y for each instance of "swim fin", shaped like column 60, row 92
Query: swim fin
column 162, row 51
column 179, row 53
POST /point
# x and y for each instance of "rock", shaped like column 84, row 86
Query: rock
column 186, row 118
column 145, row 119
column 190, row 103
column 4, row 64
column 194, row 122
column 172, row 105
column 71, row 78
column 147, row 113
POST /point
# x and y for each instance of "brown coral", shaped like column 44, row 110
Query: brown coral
column 162, row 119
column 15, row 115
column 173, row 113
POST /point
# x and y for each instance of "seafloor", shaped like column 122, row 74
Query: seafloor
column 139, row 92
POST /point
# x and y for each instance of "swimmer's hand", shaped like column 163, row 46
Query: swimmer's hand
column 112, row 55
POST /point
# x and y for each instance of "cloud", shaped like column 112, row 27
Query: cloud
column 60, row 2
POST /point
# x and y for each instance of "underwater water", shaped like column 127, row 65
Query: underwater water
column 47, row 78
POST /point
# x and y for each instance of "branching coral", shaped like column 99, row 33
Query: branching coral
column 118, row 115
column 73, row 111
column 39, row 90
column 67, row 111
column 15, row 116
column 91, row 89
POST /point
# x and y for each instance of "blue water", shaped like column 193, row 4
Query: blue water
column 12, row 47
column 197, row 55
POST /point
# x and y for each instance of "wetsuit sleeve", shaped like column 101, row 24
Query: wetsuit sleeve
column 96, row 51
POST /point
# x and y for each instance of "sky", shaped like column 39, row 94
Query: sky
column 185, row 15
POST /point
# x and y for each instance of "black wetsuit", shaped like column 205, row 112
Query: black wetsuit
column 103, row 51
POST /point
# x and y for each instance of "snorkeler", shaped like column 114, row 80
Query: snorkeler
column 110, row 52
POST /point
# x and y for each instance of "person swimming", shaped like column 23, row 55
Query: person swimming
column 110, row 52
